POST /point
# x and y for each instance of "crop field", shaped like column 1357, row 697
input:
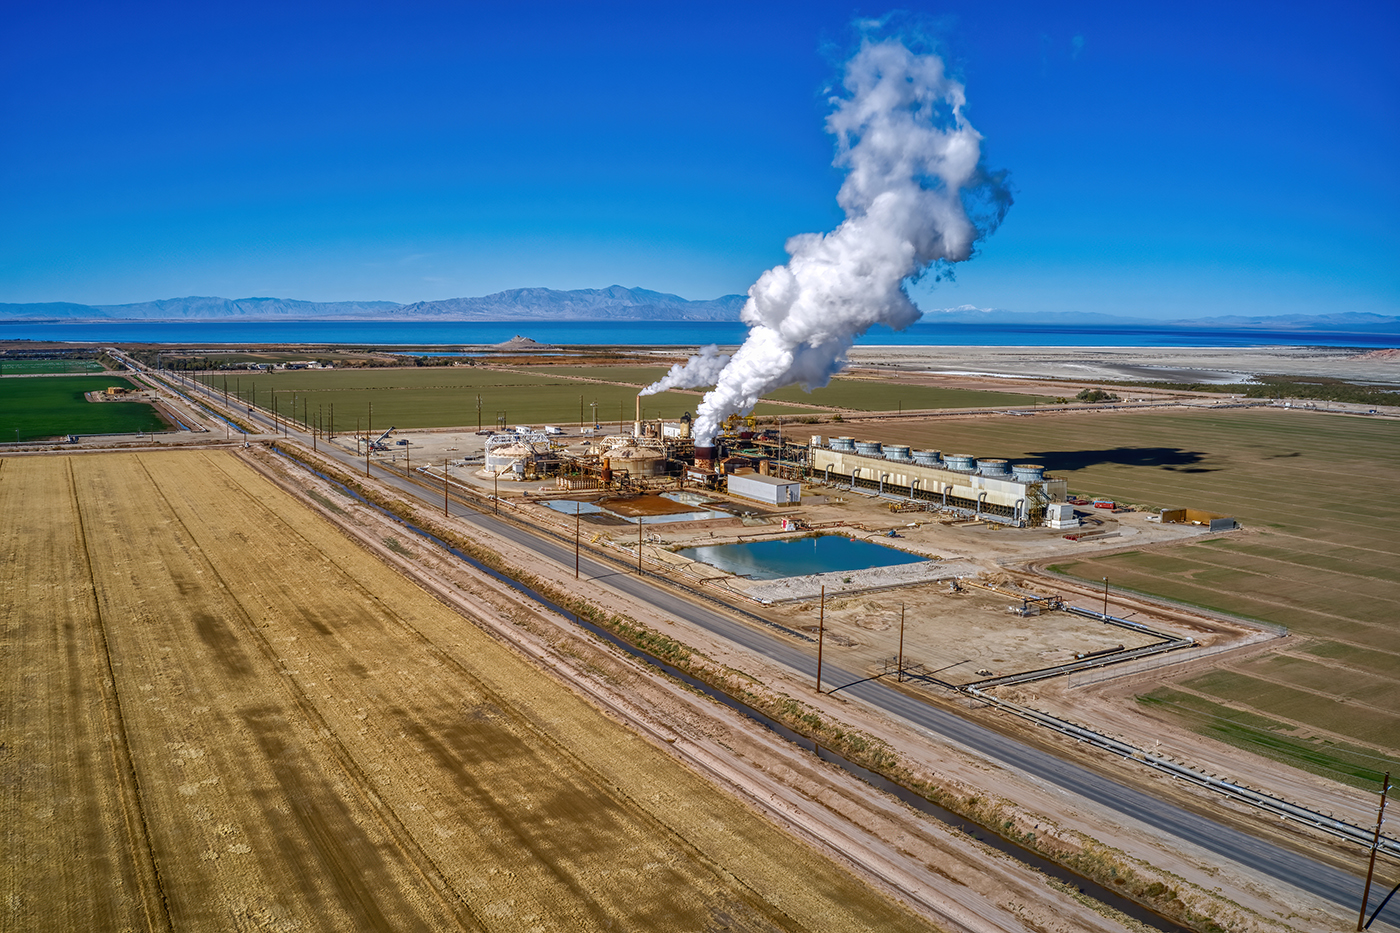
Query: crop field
column 434, row 397
column 54, row 405
column 38, row 367
column 1318, row 556
column 221, row 713
column 854, row 394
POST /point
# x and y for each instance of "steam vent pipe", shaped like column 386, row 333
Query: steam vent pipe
column 637, row 426
column 705, row 457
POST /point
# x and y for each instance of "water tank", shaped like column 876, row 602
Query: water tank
column 928, row 457
column 1028, row 472
column 637, row 461
column 993, row 468
column 846, row 444
column 503, row 459
column 896, row 451
column 962, row 462
column 868, row 448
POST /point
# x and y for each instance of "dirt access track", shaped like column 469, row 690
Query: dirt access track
column 220, row 712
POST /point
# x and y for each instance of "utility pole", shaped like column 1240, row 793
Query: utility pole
column 821, row 637
column 369, row 431
column 496, row 496
column 478, row 411
column 901, row 642
column 639, row 545
column 1105, row 599
column 1375, row 844
column 445, row 462
column 578, row 507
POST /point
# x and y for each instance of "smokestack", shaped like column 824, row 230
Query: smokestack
column 914, row 172
column 705, row 457
column 637, row 425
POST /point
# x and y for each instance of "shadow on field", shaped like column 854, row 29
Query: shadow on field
column 1166, row 458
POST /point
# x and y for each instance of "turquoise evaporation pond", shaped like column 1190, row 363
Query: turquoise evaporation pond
column 773, row 560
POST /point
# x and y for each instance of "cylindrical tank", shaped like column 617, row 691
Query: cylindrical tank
column 847, row 444
column 502, row 460
column 705, row 456
column 685, row 426
column 993, row 468
column 868, row 448
column 606, row 472
column 895, row 451
column 963, row 462
column 763, row 467
column 1028, row 472
column 928, row 457
column 637, row 461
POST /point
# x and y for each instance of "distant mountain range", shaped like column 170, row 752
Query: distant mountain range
column 617, row 303
column 518, row 304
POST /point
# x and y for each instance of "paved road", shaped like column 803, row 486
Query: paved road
column 1283, row 865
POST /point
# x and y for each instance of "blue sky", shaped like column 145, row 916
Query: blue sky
column 1192, row 159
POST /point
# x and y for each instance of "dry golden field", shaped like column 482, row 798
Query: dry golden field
column 221, row 713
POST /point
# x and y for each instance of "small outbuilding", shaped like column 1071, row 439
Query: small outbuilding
column 769, row 489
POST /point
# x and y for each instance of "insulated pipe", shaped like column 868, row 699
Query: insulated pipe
column 883, row 477
column 980, row 497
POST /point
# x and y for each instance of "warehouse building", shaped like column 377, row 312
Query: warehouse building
column 770, row 489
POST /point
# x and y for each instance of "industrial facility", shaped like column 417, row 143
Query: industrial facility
column 767, row 467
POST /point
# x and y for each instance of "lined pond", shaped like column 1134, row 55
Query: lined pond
column 773, row 560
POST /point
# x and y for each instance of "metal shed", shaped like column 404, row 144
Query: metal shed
column 762, row 488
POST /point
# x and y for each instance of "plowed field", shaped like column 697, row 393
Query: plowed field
column 220, row 713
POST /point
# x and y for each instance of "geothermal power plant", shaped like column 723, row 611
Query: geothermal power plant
column 769, row 466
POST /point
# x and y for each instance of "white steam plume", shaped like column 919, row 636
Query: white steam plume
column 703, row 369
column 914, row 173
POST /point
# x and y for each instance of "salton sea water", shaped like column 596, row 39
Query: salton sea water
column 662, row 334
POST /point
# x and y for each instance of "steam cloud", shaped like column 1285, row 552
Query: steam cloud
column 914, row 178
column 703, row 369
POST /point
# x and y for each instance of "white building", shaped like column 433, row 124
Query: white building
column 769, row 489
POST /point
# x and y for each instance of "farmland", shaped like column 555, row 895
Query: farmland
column 1318, row 554
column 857, row 394
column 44, row 367
column 433, row 397
column 220, row 712
column 54, row 405
column 440, row 397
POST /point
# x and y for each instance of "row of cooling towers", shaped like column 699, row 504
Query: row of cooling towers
column 705, row 458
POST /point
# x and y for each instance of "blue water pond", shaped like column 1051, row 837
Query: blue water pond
column 773, row 560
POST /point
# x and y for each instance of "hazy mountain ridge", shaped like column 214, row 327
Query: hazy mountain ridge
column 522, row 304
column 617, row 303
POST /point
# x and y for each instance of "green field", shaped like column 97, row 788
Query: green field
column 1319, row 554
column 433, row 398
column 54, row 405
column 848, row 393
column 40, row 367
